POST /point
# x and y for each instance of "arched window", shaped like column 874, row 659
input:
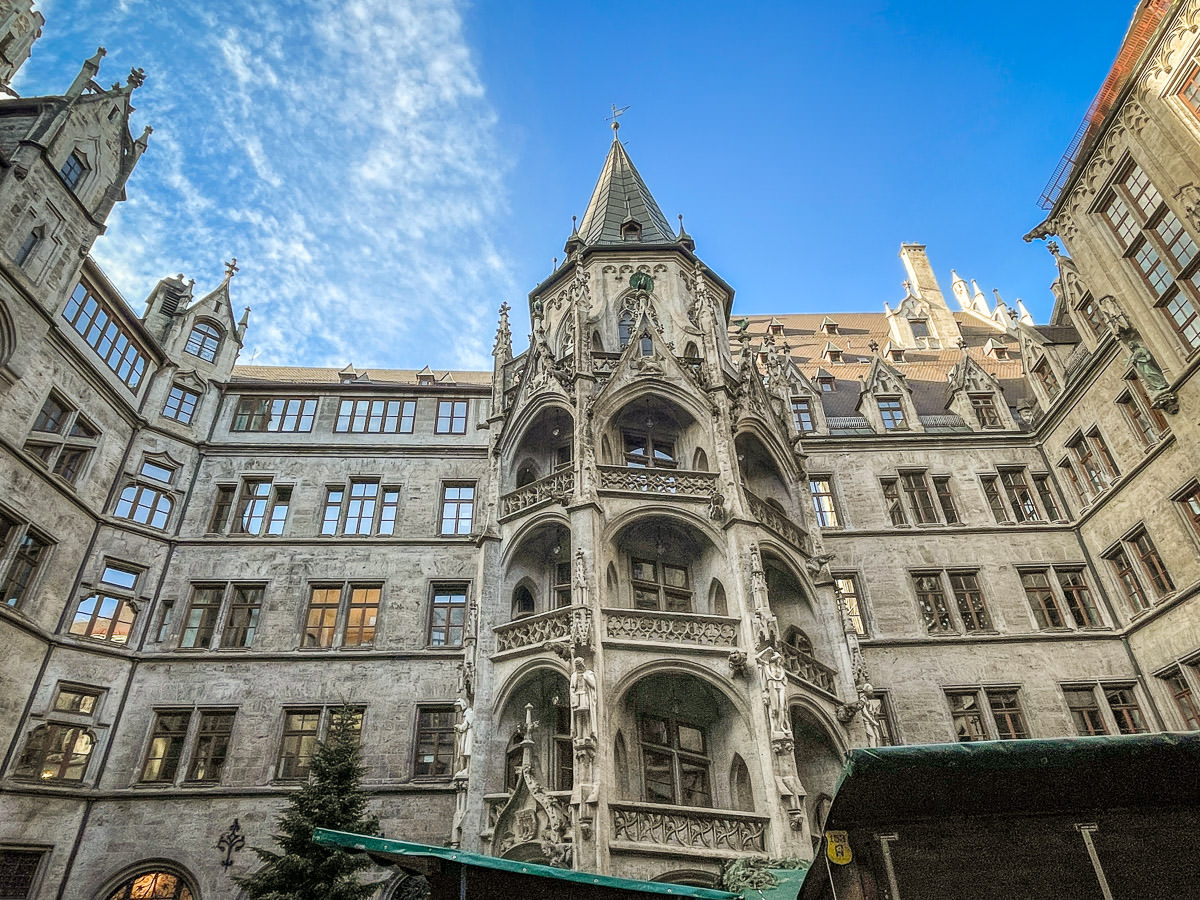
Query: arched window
column 740, row 792
column 203, row 341
column 56, row 753
column 700, row 460
column 716, row 599
column 512, row 761
column 691, row 351
column 597, row 342
column 625, row 329
column 526, row 474
column 159, row 885
column 800, row 641
column 522, row 604
column 647, row 344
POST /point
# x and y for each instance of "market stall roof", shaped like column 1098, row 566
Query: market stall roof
column 495, row 877
column 891, row 784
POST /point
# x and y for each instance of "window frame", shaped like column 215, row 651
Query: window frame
column 985, row 698
column 678, row 756
column 372, row 415
column 447, row 589
column 231, row 615
column 73, row 437
column 94, row 319
column 856, row 608
column 452, row 421
column 273, row 414
column 184, row 408
column 1102, row 695
column 963, row 608
column 204, row 341
column 341, row 500
column 670, row 598
column 802, row 415
column 343, row 609
column 21, row 570
column 75, row 731
column 324, row 713
column 893, row 417
column 458, row 519
column 134, row 502
column 32, row 876
column 443, row 737
column 829, row 515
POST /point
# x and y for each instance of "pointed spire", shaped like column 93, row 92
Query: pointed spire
column 243, row 322
column 621, row 198
column 979, row 301
column 86, row 73
column 502, row 349
column 683, row 237
column 1023, row 314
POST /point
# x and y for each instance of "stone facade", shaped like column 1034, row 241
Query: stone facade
column 621, row 604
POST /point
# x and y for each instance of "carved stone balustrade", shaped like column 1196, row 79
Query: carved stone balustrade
column 533, row 631
column 808, row 669
column 670, row 628
column 720, row 831
column 553, row 487
column 665, row 482
column 774, row 520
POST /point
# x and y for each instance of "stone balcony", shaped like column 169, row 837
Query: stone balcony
column 808, row 670
column 534, row 631
column 774, row 520
column 719, row 832
column 670, row 628
column 554, row 486
column 673, row 483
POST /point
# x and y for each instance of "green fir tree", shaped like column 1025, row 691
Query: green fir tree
column 332, row 798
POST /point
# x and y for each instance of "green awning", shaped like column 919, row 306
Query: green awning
column 512, row 878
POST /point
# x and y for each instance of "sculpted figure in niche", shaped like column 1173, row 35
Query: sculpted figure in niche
column 1147, row 367
column 466, row 736
column 774, row 689
column 583, row 701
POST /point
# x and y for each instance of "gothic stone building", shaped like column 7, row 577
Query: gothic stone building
column 623, row 603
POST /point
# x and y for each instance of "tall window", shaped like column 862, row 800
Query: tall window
column 364, row 507
column 229, row 610
column 447, row 615
column 892, row 414
column 1158, row 247
column 988, row 714
column 1188, row 501
column 302, row 729
column 1011, row 498
column 108, row 613
column 802, row 417
column 451, row 417
column 434, row 756
column 56, row 752
column 145, row 505
column 261, row 414
column 94, row 319
column 19, row 869
column 920, row 500
column 261, row 508
column 824, row 504
column 181, row 404
column 891, row 499
column 1189, row 92
column 376, row 416
column 941, row 487
column 1147, row 422
column 341, row 615
column 31, row 550
column 1104, row 709
column 851, row 600
column 62, row 439
column 1181, row 679
column 189, row 746
column 73, row 169
column 1140, row 570
column 204, row 341
column 1127, row 578
column 969, row 612
column 660, row 585
column 458, row 507
column 675, row 762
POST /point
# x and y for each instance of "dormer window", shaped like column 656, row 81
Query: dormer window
column 896, row 354
column 892, row 414
column 996, row 350
column 776, row 327
column 1046, row 378
column 832, row 353
column 826, row 384
column 920, row 328
column 74, row 169
column 203, row 341
column 828, row 326
column 631, row 231
column 984, row 406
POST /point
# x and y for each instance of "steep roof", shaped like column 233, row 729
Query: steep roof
column 284, row 375
column 621, row 196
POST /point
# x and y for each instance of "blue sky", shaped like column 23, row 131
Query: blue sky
column 387, row 171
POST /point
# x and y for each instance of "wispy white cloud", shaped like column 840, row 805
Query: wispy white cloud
column 344, row 152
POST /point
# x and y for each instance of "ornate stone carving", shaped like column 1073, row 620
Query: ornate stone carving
column 774, row 688
column 776, row 521
column 555, row 486
column 583, row 701
column 808, row 669
column 696, row 829
column 535, row 631
column 638, row 625
column 674, row 483
column 739, row 663
column 465, row 738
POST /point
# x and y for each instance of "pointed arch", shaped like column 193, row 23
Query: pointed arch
column 523, row 603
column 621, row 761
column 625, row 329
column 741, row 793
column 717, row 601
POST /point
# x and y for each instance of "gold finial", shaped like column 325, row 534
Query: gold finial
column 616, row 114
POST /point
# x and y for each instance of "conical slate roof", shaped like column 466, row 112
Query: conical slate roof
column 621, row 196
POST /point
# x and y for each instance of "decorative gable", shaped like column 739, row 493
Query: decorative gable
column 975, row 396
column 885, row 400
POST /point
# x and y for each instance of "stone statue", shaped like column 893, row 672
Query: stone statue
column 1147, row 367
column 774, row 689
column 466, row 736
column 583, row 701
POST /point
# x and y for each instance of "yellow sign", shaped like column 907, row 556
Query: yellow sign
column 837, row 847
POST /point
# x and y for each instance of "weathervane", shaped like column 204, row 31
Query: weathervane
column 616, row 114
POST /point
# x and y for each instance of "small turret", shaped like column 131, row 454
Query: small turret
column 20, row 26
